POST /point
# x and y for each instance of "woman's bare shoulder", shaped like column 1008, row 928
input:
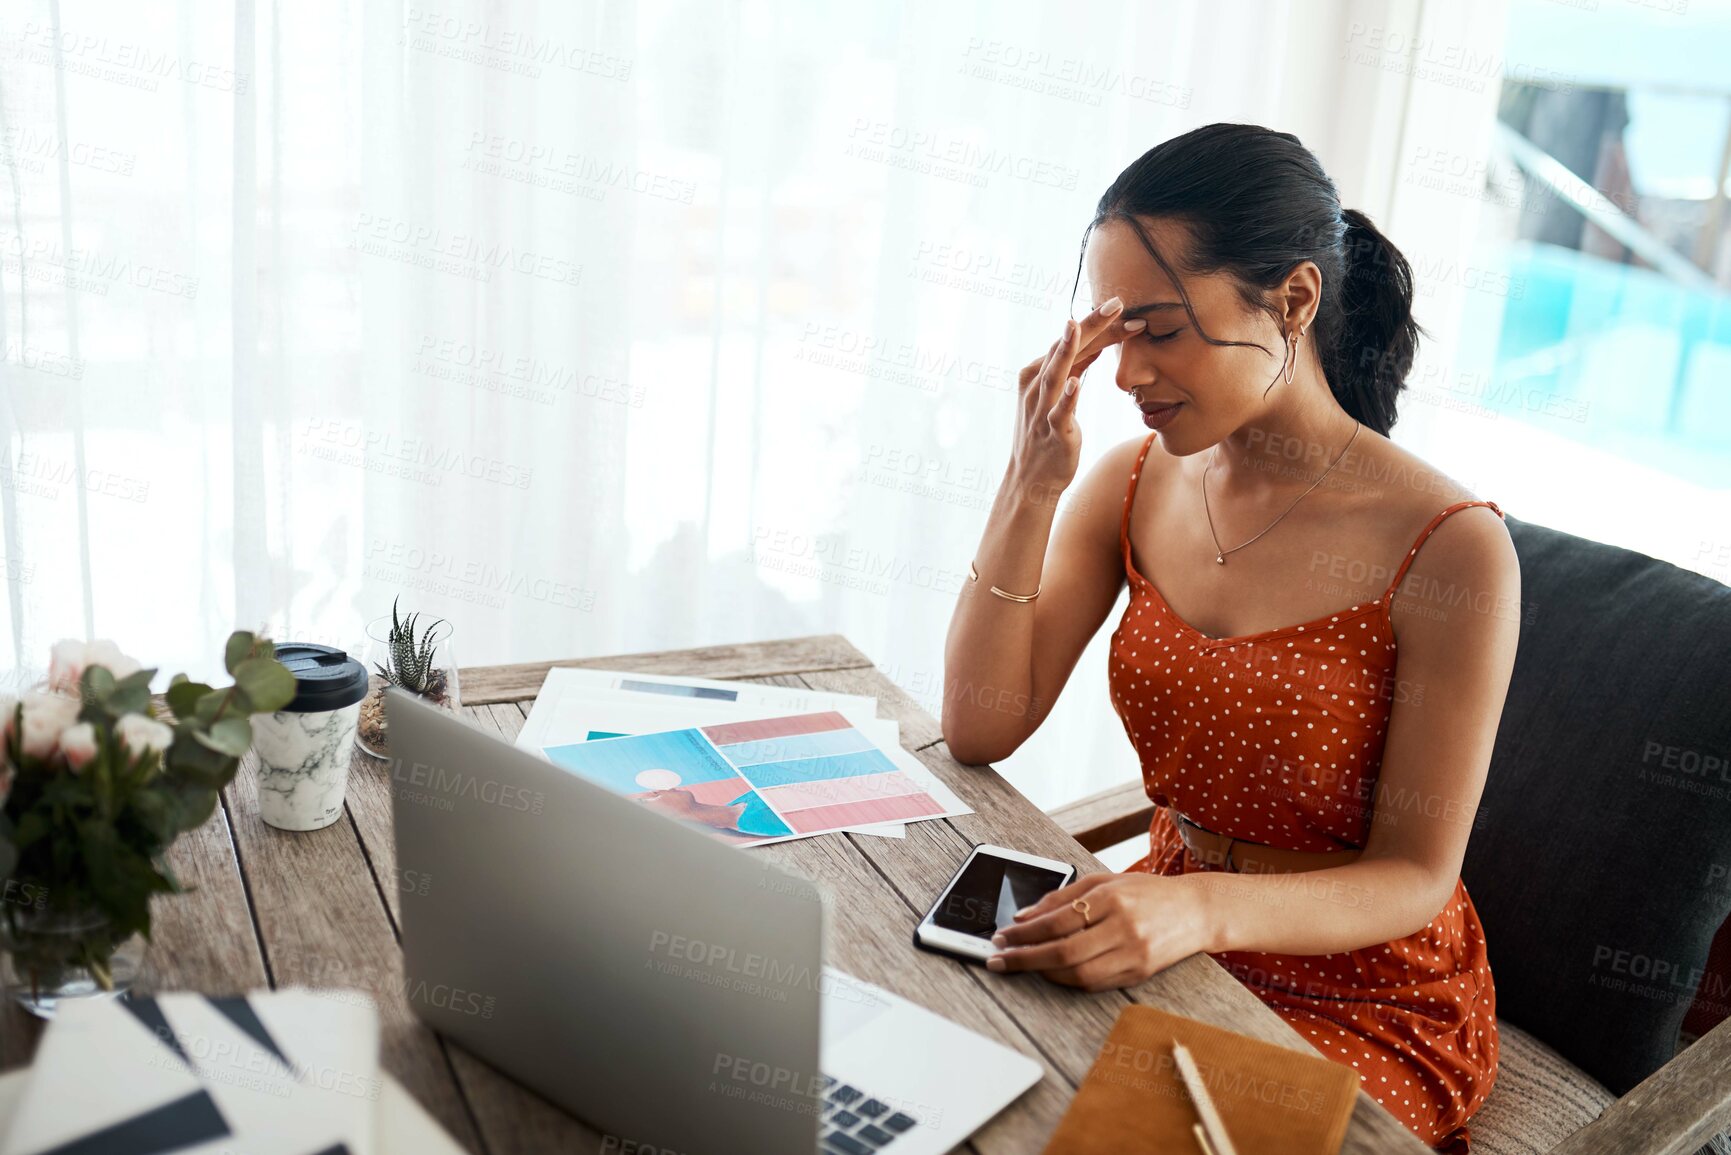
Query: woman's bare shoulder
column 1470, row 549
column 1397, row 480
column 1109, row 476
column 1120, row 459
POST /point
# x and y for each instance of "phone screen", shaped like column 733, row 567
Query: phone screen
column 989, row 892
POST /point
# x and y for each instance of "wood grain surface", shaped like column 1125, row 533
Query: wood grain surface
column 272, row 908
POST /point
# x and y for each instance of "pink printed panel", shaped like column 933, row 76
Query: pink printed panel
column 726, row 733
column 837, row 791
column 900, row 808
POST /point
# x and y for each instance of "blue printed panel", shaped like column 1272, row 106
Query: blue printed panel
column 852, row 765
column 616, row 762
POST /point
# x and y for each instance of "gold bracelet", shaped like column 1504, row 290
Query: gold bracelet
column 974, row 575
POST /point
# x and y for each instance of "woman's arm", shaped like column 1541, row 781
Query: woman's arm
column 1455, row 632
column 1004, row 661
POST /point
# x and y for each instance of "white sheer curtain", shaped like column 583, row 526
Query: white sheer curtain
column 595, row 328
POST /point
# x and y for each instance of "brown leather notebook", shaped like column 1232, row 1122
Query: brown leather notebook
column 1271, row 1099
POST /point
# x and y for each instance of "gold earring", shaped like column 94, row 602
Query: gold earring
column 1292, row 365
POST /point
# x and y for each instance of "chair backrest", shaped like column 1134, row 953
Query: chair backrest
column 1600, row 861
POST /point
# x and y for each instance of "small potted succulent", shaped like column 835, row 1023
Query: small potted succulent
column 418, row 659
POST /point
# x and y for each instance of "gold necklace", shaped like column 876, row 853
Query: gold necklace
column 1220, row 554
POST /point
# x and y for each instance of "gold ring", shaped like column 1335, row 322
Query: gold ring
column 1081, row 906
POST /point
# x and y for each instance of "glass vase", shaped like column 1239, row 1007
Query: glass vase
column 51, row 956
column 440, row 689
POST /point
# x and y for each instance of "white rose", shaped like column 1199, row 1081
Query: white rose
column 103, row 652
column 66, row 665
column 78, row 744
column 45, row 716
column 141, row 733
column 69, row 658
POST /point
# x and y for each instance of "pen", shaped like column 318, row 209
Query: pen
column 1211, row 1132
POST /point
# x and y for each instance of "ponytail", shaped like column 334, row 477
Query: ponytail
column 1256, row 203
column 1368, row 342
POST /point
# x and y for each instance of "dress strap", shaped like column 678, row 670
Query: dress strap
column 1129, row 497
column 1428, row 530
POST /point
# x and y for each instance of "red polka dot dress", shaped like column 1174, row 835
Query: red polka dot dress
column 1277, row 737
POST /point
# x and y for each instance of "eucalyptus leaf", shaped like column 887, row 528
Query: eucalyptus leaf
column 136, row 678
column 99, row 681
column 196, row 807
column 232, row 736
column 197, row 762
column 206, row 710
column 239, row 648
column 267, row 684
column 129, row 700
column 183, row 696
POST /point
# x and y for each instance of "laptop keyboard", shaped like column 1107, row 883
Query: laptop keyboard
column 854, row 1123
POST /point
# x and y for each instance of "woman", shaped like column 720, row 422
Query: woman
column 1319, row 634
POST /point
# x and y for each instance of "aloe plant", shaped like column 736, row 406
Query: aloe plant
column 411, row 656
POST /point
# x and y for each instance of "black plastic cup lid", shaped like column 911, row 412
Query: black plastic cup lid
column 326, row 678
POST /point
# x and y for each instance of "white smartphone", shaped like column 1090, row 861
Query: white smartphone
column 985, row 894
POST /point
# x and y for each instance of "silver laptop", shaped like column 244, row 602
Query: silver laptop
column 662, row 986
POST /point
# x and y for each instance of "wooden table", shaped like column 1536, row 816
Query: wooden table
column 270, row 908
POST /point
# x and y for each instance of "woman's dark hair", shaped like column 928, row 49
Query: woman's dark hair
column 1255, row 203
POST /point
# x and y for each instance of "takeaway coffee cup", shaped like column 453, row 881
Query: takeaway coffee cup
column 304, row 749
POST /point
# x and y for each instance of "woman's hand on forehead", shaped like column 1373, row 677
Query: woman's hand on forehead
column 1100, row 329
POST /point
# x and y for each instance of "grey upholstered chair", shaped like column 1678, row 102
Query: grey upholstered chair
column 1600, row 860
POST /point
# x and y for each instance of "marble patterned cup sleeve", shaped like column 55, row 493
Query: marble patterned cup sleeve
column 303, row 765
